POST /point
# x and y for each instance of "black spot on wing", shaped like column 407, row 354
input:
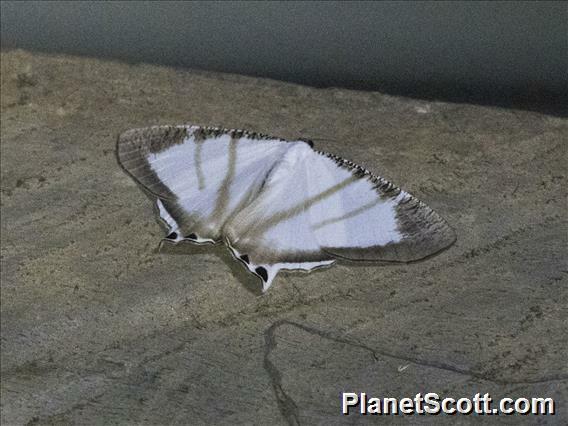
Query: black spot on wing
column 245, row 258
column 191, row 237
column 172, row 236
column 262, row 273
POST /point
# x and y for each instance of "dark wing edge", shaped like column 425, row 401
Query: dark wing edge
column 425, row 232
column 133, row 146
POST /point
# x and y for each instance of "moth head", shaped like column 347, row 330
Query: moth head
column 308, row 141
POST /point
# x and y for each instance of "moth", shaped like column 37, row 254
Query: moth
column 276, row 204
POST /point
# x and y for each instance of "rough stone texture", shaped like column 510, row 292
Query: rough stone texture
column 99, row 327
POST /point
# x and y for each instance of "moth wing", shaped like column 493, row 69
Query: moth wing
column 200, row 176
column 371, row 219
column 315, row 208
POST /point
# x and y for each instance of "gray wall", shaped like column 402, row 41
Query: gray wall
column 494, row 52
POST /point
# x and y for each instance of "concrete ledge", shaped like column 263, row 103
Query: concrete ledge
column 98, row 327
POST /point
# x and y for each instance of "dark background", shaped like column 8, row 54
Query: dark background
column 502, row 53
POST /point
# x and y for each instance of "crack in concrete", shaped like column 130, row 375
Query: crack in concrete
column 289, row 408
column 286, row 404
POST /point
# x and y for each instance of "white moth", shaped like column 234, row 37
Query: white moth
column 276, row 204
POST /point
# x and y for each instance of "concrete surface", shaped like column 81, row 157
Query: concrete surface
column 98, row 327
